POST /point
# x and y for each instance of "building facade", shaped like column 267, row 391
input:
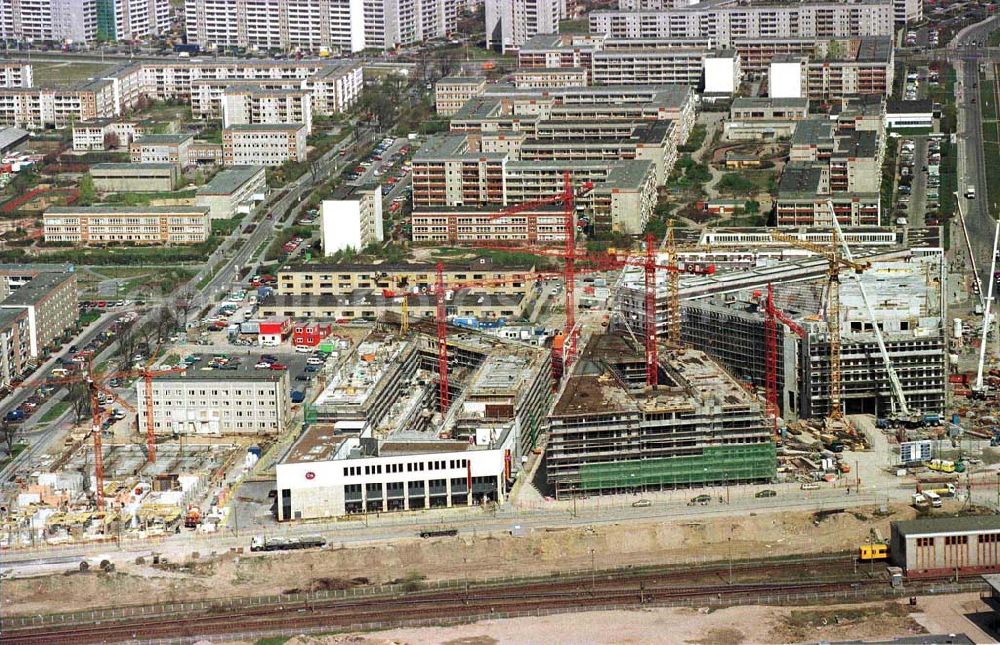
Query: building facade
column 135, row 177
column 511, row 23
column 217, row 403
column 233, row 191
column 131, row 19
column 46, row 297
column 352, row 223
column 89, row 225
column 162, row 148
column 253, row 105
column 263, row 144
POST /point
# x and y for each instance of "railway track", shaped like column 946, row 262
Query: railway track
column 628, row 587
column 444, row 606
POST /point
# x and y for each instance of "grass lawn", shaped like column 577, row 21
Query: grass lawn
column 58, row 73
column 987, row 100
column 88, row 317
column 581, row 26
column 994, row 39
column 224, row 227
column 55, row 412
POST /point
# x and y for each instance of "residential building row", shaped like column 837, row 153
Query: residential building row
column 80, row 21
column 855, row 67
column 104, row 225
column 263, row 144
column 333, row 86
column 342, row 26
column 38, row 303
column 512, row 23
column 726, row 21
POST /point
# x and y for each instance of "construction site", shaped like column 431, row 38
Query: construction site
column 408, row 423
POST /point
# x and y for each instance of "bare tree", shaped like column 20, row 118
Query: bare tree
column 8, row 435
column 165, row 322
column 184, row 304
column 79, row 396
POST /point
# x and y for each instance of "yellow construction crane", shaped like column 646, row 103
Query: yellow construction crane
column 836, row 261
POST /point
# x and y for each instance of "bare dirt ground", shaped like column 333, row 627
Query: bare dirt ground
column 730, row 626
column 482, row 556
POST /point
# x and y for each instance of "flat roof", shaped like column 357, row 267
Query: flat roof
column 196, row 374
column 762, row 101
column 35, row 289
column 462, row 80
column 479, row 263
column 230, row 180
column 127, row 210
column 11, row 137
column 938, row 525
column 893, row 106
column 125, row 167
column 813, row 132
column 799, row 179
column 163, row 139
column 268, row 127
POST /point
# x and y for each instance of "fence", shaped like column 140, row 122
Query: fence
column 799, row 598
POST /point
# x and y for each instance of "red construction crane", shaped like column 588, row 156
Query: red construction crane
column 568, row 200
column 771, row 317
column 650, row 266
column 442, row 340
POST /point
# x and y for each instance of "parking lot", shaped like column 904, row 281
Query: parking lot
column 918, row 181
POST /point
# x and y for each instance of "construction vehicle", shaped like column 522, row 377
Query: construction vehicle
column 876, row 548
column 193, row 517
column 920, row 502
column 261, row 543
column 946, row 466
column 933, row 498
column 944, row 490
column 428, row 533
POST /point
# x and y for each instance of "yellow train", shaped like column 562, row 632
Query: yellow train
column 877, row 551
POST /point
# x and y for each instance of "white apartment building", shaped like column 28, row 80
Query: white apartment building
column 511, row 23
column 907, row 11
column 727, row 21
column 217, row 403
column 352, row 223
column 266, row 144
column 452, row 92
column 347, row 26
column 49, row 20
column 95, row 135
column 132, row 19
column 86, row 225
column 252, row 105
column 15, row 74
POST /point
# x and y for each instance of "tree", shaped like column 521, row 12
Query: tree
column 165, row 322
column 111, row 141
column 79, row 397
column 184, row 304
column 8, row 436
column 87, row 192
column 751, row 206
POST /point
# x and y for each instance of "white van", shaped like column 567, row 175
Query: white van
column 933, row 498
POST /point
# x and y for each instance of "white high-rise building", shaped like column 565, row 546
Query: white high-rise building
column 132, row 19
column 510, row 23
column 49, row 20
column 352, row 223
column 342, row 25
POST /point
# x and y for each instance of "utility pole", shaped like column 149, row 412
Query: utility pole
column 593, row 572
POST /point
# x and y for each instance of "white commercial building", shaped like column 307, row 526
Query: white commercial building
column 346, row 26
column 352, row 223
column 217, row 403
column 510, row 23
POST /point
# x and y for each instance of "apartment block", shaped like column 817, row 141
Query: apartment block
column 15, row 346
column 46, row 295
column 511, row 23
column 162, row 148
column 233, row 191
column 369, row 305
column 768, row 109
column 452, row 92
column 102, row 134
column 352, row 222
column 727, row 21
column 50, row 21
column 15, row 74
column 804, row 194
column 253, row 105
column 266, row 144
column 908, row 11
column 103, row 225
column 344, row 26
column 131, row 19
column 539, row 77
column 135, row 177
column 217, row 403
column 41, row 108
column 611, row 434
column 454, row 226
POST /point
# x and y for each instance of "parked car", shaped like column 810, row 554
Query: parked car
column 700, row 500
column 767, row 492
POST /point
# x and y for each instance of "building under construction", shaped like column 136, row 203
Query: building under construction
column 380, row 441
column 723, row 315
column 609, row 432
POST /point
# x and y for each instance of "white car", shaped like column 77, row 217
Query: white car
column 263, row 365
column 314, row 360
column 303, row 349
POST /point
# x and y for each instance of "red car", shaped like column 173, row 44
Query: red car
column 278, row 367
